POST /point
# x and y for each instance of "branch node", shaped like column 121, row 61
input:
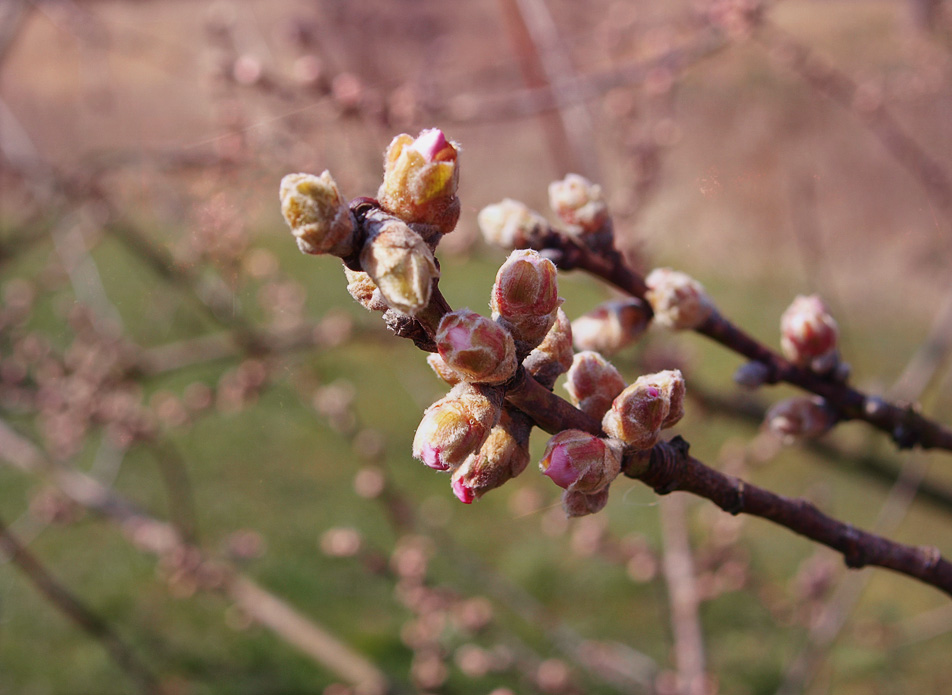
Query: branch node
column 854, row 555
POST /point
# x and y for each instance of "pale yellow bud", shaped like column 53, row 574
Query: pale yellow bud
column 510, row 224
column 579, row 203
column 317, row 214
column 362, row 288
column 678, row 300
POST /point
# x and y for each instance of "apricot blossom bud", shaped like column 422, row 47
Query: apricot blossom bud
column 800, row 417
column 611, row 326
column 456, row 426
column 504, row 455
column 593, row 383
column 808, row 334
column 581, row 462
column 477, row 348
column 510, row 224
column 420, row 179
column 641, row 411
column 679, row 301
column 362, row 288
column 443, row 370
column 399, row 262
column 579, row 204
column 317, row 214
column 576, row 503
column 553, row 356
column 525, row 297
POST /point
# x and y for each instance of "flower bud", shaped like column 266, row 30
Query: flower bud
column 580, row 461
column 399, row 262
column 641, row 411
column 420, row 179
column 582, row 504
column 443, row 370
column 611, row 325
column 593, row 383
column 554, row 354
column 525, row 297
column 317, row 214
column 800, row 417
column 678, row 300
column 578, row 203
column 511, row 224
column 504, row 455
column 456, row 426
column 364, row 290
column 808, row 334
column 477, row 348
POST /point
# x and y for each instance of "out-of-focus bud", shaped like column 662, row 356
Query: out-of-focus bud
column 476, row 347
column 443, row 370
column 525, row 297
column 801, row 417
column 576, row 503
column 456, row 426
column 579, row 204
column 593, row 383
column 364, row 290
column 808, row 334
column 398, row 261
column 751, row 374
column 611, row 326
column 317, row 214
column 420, row 179
column 581, row 462
column 641, row 411
column 554, row 354
column 679, row 301
column 504, row 455
column 510, row 224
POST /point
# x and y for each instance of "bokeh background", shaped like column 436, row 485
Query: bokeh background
column 205, row 442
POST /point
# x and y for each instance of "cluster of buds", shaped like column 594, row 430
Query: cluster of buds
column 809, row 334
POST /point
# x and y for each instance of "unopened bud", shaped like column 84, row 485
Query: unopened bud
column 443, row 370
column 317, row 214
column 641, row 411
column 504, row 455
column 525, row 297
column 476, row 347
column 576, row 503
column 553, row 356
column 679, row 301
column 420, row 179
column 751, row 374
column 399, row 262
column 579, row 204
column 808, row 334
column 362, row 288
column 593, row 383
column 611, row 325
column 801, row 417
column 456, row 426
column 511, row 224
column 580, row 461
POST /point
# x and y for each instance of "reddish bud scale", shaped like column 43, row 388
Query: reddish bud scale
column 577, row 504
column 809, row 334
column 641, row 411
column 504, row 455
column 593, row 383
column 475, row 347
column 525, row 297
column 456, row 426
column 553, row 356
column 801, row 417
column 443, row 370
column 580, row 461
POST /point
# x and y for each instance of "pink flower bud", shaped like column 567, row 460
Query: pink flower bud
column 808, row 334
column 641, row 411
column 580, row 461
column 476, row 347
column 525, row 297
column 317, row 214
column 611, row 326
column 510, row 224
column 593, row 383
column 420, row 180
column 456, row 426
column 399, row 262
column 364, row 290
column 504, row 455
column 678, row 300
column 443, row 370
column 554, row 354
column 576, row 503
column 578, row 203
column 800, row 417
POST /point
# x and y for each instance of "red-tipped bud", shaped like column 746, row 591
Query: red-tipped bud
column 443, row 370
column 362, row 288
column 593, row 383
column 581, row 504
column 611, row 326
column 510, row 224
column 578, row 203
column 808, row 334
column 420, row 179
column 641, row 411
column 800, row 417
column 580, row 461
column 504, row 455
column 476, row 347
column 317, row 214
column 554, row 354
column 456, row 426
column 525, row 297
column 399, row 262
column 678, row 300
